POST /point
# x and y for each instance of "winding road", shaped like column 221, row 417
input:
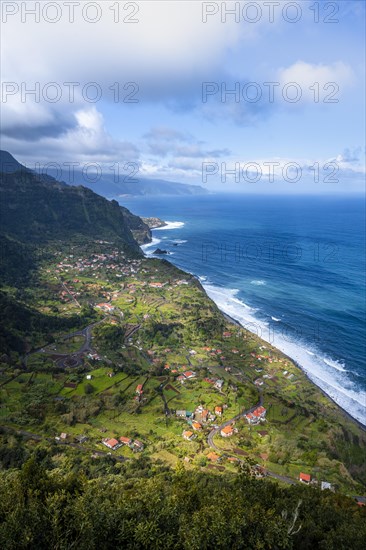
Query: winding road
column 215, row 431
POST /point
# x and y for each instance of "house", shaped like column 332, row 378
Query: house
column 63, row 435
column 111, row 443
column 256, row 416
column 181, row 414
column 187, row 435
column 213, row 457
column 138, row 445
column 259, row 471
column 204, row 415
column 219, row 384
column 218, row 411
column 181, row 378
column 262, row 433
column 139, row 389
column 125, row 440
column 227, row 431
column 196, row 426
column 304, row 478
column 326, row 485
column 189, row 374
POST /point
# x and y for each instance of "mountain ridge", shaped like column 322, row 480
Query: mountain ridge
column 106, row 185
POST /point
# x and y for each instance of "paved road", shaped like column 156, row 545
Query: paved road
column 215, row 431
column 76, row 355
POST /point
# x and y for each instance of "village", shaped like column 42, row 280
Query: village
column 153, row 382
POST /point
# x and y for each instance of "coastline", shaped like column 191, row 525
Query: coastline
column 297, row 365
column 236, row 322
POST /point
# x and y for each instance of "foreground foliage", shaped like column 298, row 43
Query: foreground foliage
column 143, row 506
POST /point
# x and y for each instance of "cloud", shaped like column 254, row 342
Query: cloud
column 181, row 149
column 86, row 140
column 306, row 75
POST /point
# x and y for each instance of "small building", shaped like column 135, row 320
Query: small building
column 189, row 374
column 138, row 445
column 63, row 436
column 188, row 435
column 89, row 377
column 196, row 426
column 213, row 457
column 139, row 389
column 219, row 384
column 228, row 431
column 256, row 416
column 204, row 415
column 326, row 485
column 125, row 440
column 218, row 411
column 111, row 443
column 305, row 478
column 181, row 413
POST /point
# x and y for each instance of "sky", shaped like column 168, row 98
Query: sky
column 260, row 96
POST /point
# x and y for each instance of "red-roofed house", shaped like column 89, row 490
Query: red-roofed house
column 139, row 389
column 258, row 414
column 218, row 411
column 189, row 374
column 304, row 478
column 125, row 440
column 188, row 435
column 111, row 443
column 227, row 431
column 213, row 457
column 196, row 426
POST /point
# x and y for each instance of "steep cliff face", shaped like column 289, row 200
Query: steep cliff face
column 36, row 210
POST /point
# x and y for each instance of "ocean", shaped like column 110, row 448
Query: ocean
column 290, row 269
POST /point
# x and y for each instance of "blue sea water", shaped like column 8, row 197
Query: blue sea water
column 291, row 269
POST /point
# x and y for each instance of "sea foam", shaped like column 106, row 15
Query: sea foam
column 325, row 372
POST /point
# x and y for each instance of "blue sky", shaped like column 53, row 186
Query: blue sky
column 169, row 52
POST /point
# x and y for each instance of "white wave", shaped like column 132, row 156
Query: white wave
column 335, row 364
column 275, row 319
column 332, row 380
column 258, row 283
column 179, row 241
column 146, row 247
column 202, row 278
column 170, row 225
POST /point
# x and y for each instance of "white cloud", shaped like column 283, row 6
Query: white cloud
column 305, row 75
column 87, row 140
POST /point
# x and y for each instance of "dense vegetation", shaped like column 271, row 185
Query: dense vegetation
column 68, row 364
column 36, row 211
column 55, row 502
